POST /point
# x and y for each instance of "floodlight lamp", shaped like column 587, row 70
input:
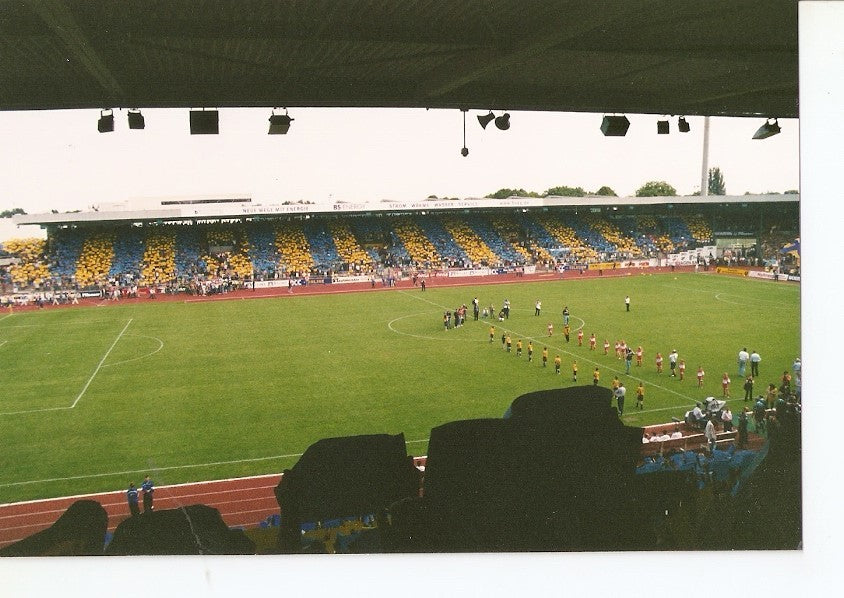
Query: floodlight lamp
column 683, row 125
column 615, row 126
column 769, row 129
column 106, row 122
column 136, row 119
column 485, row 119
column 662, row 127
column 279, row 123
column 204, row 122
column 503, row 122
column 464, row 151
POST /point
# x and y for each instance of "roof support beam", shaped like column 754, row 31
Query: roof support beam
column 481, row 62
column 59, row 19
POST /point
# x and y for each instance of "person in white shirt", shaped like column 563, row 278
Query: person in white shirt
column 710, row 434
column 727, row 419
column 754, row 364
column 676, row 434
column 619, row 397
column 672, row 361
column 743, row 358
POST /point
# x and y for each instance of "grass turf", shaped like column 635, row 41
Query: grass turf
column 194, row 391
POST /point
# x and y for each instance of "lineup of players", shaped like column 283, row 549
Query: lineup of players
column 622, row 350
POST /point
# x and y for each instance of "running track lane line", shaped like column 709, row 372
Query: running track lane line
column 115, row 473
column 87, row 384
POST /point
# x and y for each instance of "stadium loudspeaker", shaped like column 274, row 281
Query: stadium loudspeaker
column 485, row 119
column 204, row 122
column 683, row 125
column 615, row 126
column 503, row 121
column 769, row 129
column 662, row 127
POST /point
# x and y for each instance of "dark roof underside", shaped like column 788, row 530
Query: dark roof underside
column 719, row 57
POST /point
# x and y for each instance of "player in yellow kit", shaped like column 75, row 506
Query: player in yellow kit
column 557, row 362
column 544, row 356
column 574, row 371
column 596, row 376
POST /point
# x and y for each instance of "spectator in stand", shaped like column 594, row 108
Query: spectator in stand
column 695, row 417
column 797, row 368
column 786, row 379
column 748, row 388
column 646, row 438
column 727, row 418
column 711, row 435
column 759, row 414
column 771, row 396
column 742, row 428
column 754, row 364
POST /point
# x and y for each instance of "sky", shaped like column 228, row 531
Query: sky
column 60, row 161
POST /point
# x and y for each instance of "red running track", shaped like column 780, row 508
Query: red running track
column 243, row 502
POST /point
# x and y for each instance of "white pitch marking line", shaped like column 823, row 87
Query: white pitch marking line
column 100, row 365
column 3, row 343
column 84, row 389
column 171, row 467
column 6, row 316
column 160, row 346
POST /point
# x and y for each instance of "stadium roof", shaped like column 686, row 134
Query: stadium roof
column 226, row 210
column 682, row 57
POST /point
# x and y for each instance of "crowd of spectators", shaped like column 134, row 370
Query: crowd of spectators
column 212, row 256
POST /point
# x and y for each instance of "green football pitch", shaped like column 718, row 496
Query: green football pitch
column 94, row 397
